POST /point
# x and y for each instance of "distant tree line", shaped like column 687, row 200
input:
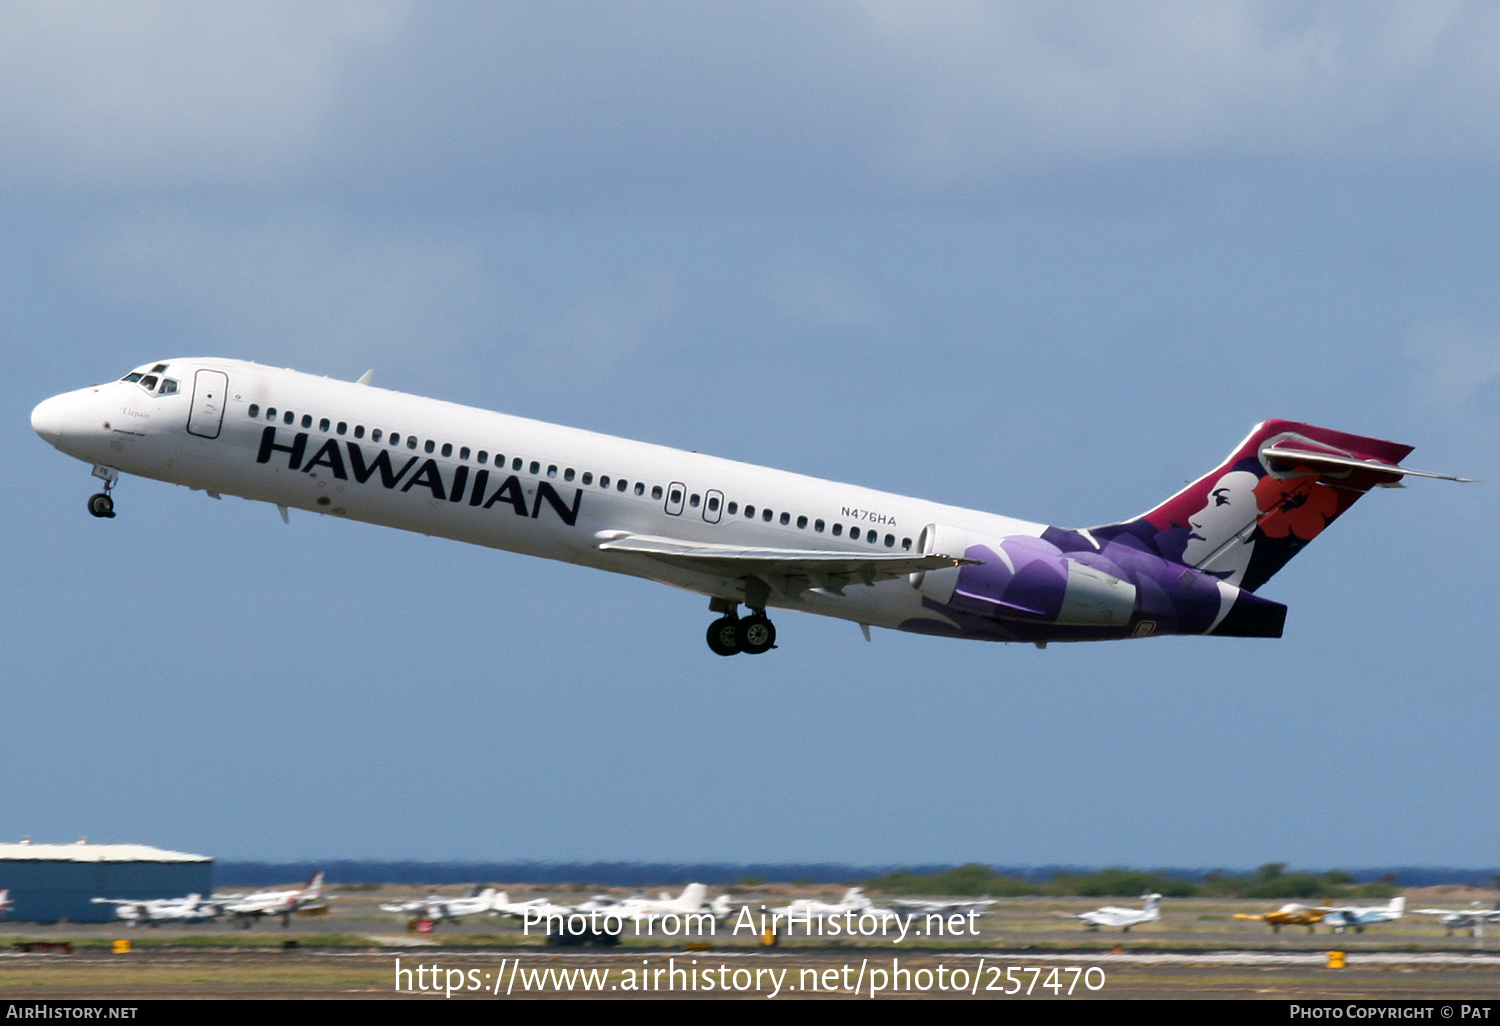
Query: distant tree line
column 1269, row 881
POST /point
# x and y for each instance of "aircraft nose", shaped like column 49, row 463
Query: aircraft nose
column 49, row 419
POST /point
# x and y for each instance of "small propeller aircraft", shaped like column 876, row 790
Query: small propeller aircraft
column 1472, row 918
column 1358, row 917
column 1124, row 918
column 1291, row 914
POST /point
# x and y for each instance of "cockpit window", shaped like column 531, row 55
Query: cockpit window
column 168, row 387
column 132, row 376
column 158, row 368
column 149, row 382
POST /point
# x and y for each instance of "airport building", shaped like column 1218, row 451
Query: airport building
column 51, row 882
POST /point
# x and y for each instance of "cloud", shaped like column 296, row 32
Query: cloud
column 584, row 99
column 295, row 281
column 163, row 90
column 1456, row 363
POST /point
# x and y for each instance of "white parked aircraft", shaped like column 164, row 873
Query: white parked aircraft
column 1358, row 917
column 246, row 908
column 1124, row 918
column 980, row 906
column 855, row 901
column 737, row 533
column 6, row 901
column 693, row 899
column 154, row 912
column 438, row 908
column 1472, row 918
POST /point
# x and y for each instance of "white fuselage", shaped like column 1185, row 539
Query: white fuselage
column 492, row 479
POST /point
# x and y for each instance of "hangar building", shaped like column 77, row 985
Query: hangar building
column 49, row 882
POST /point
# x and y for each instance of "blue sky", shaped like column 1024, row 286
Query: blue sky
column 1050, row 260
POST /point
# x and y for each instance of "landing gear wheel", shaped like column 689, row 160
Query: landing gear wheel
column 757, row 634
column 724, row 636
column 101, row 505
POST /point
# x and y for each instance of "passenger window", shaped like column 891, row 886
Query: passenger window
column 640, row 488
column 786, row 518
column 411, row 442
column 483, row 457
column 750, row 511
column 676, row 498
column 343, row 427
column 536, row 467
column 693, row 501
column 766, row 515
column 374, row 435
column 148, row 382
column 838, row 529
column 713, row 504
column 255, row 409
column 448, row 451
column 307, row 420
column 270, row 413
column 168, row 387
column 890, row 541
column 568, row 474
column 734, row 508
column 818, row 526
column 854, row 533
column 603, row 480
column 656, row 491
column 906, row 544
column 552, row 470
column 323, row 425
column 588, row 477
column 801, row 522
column 621, row 485
column 515, row 464
column 394, row 439
column 288, row 417
column 430, row 446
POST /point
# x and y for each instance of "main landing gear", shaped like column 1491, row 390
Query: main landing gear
column 100, row 503
column 729, row 634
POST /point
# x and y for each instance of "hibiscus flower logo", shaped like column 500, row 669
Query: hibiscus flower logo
column 1294, row 505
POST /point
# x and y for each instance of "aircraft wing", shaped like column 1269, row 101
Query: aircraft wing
column 789, row 570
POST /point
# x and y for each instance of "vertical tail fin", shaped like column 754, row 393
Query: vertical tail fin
column 1277, row 491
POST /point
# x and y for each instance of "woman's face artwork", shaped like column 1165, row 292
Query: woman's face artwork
column 1229, row 509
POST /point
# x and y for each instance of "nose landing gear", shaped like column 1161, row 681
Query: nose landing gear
column 729, row 634
column 100, row 503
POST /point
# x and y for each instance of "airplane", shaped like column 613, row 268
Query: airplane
column 438, row 908
column 246, row 908
column 6, row 902
column 154, row 912
column 1290, row 914
column 980, row 906
column 693, row 899
column 736, row 533
column 1361, row 916
column 1472, row 918
column 855, row 900
column 1124, row 918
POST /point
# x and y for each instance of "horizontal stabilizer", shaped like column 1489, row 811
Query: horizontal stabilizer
column 1316, row 460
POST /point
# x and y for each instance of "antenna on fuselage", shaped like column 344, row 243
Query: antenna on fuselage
column 364, row 379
